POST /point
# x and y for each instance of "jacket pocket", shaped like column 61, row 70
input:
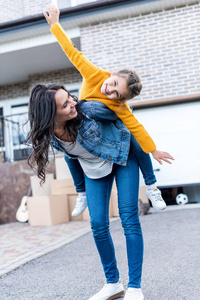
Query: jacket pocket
column 90, row 131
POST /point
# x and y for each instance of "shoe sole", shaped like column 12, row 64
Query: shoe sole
column 116, row 295
column 162, row 208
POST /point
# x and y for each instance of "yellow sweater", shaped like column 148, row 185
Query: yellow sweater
column 93, row 78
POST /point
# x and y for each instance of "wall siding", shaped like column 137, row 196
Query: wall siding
column 66, row 76
column 12, row 9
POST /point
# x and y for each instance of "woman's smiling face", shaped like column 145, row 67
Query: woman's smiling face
column 65, row 106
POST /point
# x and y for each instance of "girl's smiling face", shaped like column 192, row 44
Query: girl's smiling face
column 115, row 87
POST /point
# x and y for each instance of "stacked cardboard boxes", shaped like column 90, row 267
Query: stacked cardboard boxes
column 53, row 204
column 45, row 208
column 54, row 201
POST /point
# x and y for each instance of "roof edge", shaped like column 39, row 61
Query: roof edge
column 165, row 101
column 81, row 9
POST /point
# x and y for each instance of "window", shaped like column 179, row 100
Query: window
column 13, row 132
column 64, row 3
column 1, row 128
column 13, row 116
column 20, row 129
column 79, row 2
column 69, row 3
column 2, row 144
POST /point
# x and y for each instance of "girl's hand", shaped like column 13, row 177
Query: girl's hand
column 53, row 14
column 160, row 155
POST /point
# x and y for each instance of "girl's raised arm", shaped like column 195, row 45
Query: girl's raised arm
column 53, row 14
column 83, row 65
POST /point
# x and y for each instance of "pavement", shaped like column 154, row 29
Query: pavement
column 20, row 243
column 61, row 262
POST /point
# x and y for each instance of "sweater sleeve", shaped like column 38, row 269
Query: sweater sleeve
column 137, row 129
column 84, row 66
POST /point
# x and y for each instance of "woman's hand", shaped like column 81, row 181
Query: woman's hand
column 53, row 14
column 160, row 155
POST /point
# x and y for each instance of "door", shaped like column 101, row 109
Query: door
column 175, row 129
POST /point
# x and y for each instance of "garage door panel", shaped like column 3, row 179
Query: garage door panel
column 175, row 129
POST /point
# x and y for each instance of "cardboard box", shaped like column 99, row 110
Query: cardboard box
column 62, row 187
column 85, row 215
column 62, row 170
column 113, row 210
column 66, row 187
column 48, row 210
column 114, row 203
column 37, row 189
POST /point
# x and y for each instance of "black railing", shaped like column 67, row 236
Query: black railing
column 13, row 131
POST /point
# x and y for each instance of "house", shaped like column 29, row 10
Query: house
column 159, row 39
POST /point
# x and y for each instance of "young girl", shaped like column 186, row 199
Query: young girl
column 112, row 89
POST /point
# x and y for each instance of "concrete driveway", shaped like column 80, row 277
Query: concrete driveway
column 171, row 269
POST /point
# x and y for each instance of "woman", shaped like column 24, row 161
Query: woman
column 84, row 131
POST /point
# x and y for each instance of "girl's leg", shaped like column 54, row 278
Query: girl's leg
column 144, row 162
column 98, row 196
column 77, row 173
column 127, row 181
column 79, row 182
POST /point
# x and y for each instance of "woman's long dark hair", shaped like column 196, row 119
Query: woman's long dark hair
column 42, row 111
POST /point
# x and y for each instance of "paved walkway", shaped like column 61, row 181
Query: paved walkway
column 21, row 243
column 170, row 269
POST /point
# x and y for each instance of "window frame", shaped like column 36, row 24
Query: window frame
column 7, row 106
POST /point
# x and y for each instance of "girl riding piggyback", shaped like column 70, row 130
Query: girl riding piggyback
column 112, row 89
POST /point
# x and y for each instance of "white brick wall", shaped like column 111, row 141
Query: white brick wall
column 163, row 47
column 17, row 9
column 65, row 76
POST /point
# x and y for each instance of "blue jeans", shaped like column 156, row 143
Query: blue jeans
column 77, row 173
column 144, row 162
column 98, row 196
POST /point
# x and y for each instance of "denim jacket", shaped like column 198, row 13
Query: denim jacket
column 103, row 134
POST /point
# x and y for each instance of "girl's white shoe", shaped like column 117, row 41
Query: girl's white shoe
column 81, row 204
column 156, row 198
column 134, row 294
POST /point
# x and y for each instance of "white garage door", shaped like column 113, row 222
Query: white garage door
column 175, row 129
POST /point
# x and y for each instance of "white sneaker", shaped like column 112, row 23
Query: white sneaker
column 156, row 198
column 134, row 294
column 81, row 204
column 109, row 291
